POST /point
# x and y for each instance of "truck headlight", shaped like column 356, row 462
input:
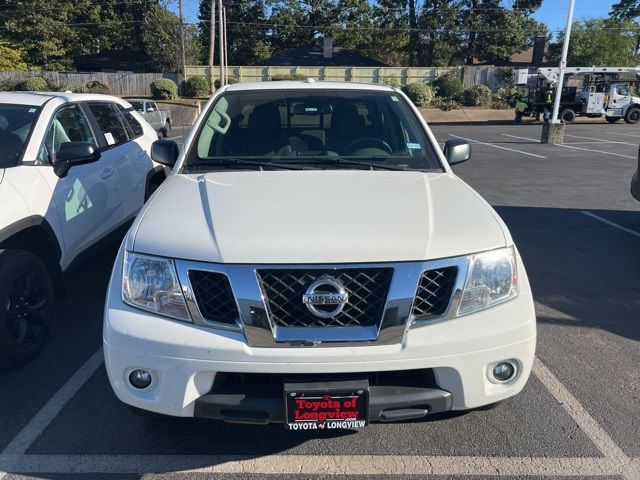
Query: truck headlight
column 151, row 283
column 492, row 279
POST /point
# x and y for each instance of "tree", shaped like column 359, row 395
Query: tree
column 626, row 9
column 246, row 31
column 11, row 57
column 601, row 42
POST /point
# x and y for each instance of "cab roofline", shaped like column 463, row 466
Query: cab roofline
column 309, row 84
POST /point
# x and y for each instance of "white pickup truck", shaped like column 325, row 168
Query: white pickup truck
column 314, row 261
column 148, row 109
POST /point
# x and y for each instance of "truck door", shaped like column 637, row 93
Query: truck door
column 619, row 95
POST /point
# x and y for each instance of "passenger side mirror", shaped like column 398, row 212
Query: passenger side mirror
column 165, row 152
column 457, row 151
column 70, row 154
column 151, row 109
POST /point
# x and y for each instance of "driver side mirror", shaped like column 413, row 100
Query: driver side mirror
column 457, row 151
column 151, row 109
column 70, row 154
column 165, row 152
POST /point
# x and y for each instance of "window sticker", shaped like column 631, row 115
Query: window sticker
column 394, row 98
column 413, row 146
column 109, row 138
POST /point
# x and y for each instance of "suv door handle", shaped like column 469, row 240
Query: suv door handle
column 106, row 173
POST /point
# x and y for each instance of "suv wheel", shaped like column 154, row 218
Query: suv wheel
column 26, row 306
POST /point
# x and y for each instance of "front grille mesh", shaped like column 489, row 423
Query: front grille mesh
column 367, row 288
column 434, row 292
column 214, row 296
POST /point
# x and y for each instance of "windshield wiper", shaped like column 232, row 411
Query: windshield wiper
column 240, row 162
column 347, row 161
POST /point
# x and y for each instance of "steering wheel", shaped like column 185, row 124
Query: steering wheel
column 367, row 142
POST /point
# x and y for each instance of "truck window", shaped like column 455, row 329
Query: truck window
column 622, row 90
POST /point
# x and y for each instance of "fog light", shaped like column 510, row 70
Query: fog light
column 503, row 371
column 140, row 379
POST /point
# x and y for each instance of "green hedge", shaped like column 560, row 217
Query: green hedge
column 420, row 94
column 197, row 86
column 94, row 86
column 164, row 89
column 448, row 86
column 477, row 96
column 288, row 76
column 33, row 84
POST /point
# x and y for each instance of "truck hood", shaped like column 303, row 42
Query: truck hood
column 340, row 216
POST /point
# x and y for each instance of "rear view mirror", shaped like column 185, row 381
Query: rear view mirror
column 165, row 152
column 457, row 151
column 70, row 154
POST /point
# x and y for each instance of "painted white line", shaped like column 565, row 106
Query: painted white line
column 400, row 465
column 574, row 408
column 520, row 138
column 601, row 140
column 497, row 146
column 32, row 430
column 610, row 223
column 625, row 134
column 596, row 151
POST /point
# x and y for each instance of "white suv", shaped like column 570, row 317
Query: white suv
column 312, row 260
column 73, row 168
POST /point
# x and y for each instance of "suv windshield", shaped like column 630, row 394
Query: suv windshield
column 16, row 122
column 312, row 129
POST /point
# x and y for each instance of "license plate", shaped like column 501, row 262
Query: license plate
column 330, row 405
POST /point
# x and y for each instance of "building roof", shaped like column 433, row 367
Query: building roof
column 312, row 55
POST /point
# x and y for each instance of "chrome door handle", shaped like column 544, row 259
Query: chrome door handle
column 106, row 173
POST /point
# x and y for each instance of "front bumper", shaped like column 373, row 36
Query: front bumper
column 184, row 360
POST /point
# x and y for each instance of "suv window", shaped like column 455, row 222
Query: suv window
column 110, row 122
column 68, row 125
column 16, row 123
column 134, row 126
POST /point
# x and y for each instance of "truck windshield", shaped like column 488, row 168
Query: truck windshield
column 312, row 129
column 137, row 105
column 16, row 123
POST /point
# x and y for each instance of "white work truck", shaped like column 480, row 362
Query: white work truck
column 588, row 91
column 314, row 261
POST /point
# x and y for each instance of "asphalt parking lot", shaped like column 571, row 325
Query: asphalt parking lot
column 578, row 229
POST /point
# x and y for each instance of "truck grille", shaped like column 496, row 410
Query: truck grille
column 367, row 288
column 214, row 296
column 434, row 292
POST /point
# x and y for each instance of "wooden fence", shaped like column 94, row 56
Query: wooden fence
column 123, row 83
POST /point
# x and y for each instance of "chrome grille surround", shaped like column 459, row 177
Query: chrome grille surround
column 260, row 331
column 283, row 290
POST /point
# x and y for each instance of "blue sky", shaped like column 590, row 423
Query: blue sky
column 552, row 12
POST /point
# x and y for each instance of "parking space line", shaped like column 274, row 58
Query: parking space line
column 601, row 140
column 400, row 465
column 624, row 134
column 610, row 223
column 580, row 415
column 497, row 146
column 520, row 138
column 32, row 430
column 596, row 151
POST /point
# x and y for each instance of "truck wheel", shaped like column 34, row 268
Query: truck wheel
column 567, row 115
column 633, row 116
column 166, row 129
column 612, row 119
column 26, row 306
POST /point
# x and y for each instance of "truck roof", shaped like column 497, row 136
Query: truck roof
column 308, row 84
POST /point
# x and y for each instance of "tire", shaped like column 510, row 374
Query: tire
column 612, row 119
column 567, row 115
column 633, row 116
column 166, row 129
column 26, row 306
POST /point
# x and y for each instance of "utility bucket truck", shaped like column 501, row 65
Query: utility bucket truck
column 588, row 91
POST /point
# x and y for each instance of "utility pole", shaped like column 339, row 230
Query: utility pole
column 212, row 41
column 183, row 60
column 226, row 59
column 221, row 42
column 553, row 132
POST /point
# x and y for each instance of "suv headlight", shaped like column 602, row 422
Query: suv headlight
column 151, row 283
column 492, row 279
